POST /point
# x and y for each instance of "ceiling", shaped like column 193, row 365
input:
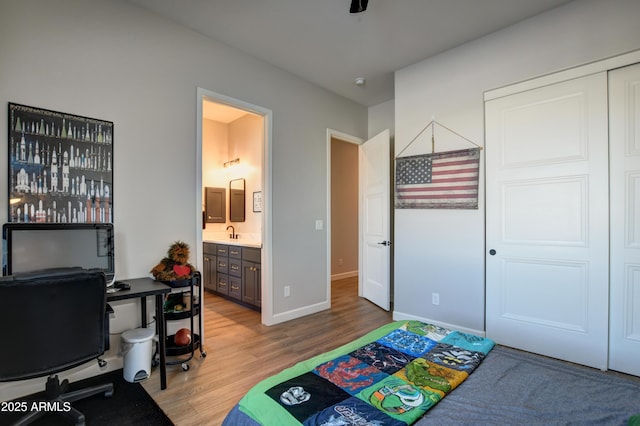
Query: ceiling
column 320, row 41
column 220, row 112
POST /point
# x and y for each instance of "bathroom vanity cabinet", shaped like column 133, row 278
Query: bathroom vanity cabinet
column 233, row 272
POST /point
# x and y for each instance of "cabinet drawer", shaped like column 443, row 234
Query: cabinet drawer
column 251, row 254
column 223, row 265
column 222, row 250
column 235, row 252
column 209, row 248
column 235, row 287
column 235, row 267
column 222, row 285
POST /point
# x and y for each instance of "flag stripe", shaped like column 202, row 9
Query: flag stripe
column 440, row 188
column 454, row 171
column 440, row 196
column 458, row 179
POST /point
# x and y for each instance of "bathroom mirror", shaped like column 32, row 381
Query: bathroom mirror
column 215, row 205
column 236, row 200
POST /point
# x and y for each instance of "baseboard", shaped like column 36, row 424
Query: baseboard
column 399, row 316
column 344, row 275
column 301, row 312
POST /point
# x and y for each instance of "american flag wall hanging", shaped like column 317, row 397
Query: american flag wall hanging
column 441, row 180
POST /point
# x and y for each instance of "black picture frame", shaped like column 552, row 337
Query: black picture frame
column 60, row 167
column 257, row 202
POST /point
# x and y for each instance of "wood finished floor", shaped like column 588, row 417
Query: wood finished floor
column 241, row 352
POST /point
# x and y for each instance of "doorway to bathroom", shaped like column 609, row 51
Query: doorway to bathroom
column 233, row 145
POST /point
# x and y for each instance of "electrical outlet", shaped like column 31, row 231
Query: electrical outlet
column 287, row 291
column 319, row 225
column 435, row 298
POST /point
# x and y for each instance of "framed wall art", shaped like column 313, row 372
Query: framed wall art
column 257, row 201
column 60, row 167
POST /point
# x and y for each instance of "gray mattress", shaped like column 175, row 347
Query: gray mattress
column 515, row 387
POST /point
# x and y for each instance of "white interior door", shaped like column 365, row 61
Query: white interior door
column 624, row 122
column 374, row 205
column 547, row 224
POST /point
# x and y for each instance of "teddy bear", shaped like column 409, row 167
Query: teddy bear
column 176, row 265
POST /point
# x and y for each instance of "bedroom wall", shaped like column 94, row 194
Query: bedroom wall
column 441, row 251
column 110, row 60
column 381, row 117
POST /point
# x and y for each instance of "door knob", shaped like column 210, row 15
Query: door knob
column 492, row 252
column 385, row 243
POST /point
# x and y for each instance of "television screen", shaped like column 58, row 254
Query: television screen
column 35, row 246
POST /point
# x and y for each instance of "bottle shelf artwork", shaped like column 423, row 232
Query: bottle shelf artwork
column 60, row 167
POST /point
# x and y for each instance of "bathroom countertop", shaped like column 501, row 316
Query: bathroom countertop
column 234, row 242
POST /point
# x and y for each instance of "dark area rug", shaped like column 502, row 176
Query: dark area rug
column 129, row 405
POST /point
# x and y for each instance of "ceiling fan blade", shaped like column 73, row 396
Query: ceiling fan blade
column 358, row 6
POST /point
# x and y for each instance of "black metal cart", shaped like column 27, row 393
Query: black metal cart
column 191, row 291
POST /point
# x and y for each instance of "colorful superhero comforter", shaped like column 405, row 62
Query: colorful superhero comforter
column 391, row 376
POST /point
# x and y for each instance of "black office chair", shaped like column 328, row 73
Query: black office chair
column 51, row 321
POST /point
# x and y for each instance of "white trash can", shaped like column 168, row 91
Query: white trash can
column 137, row 349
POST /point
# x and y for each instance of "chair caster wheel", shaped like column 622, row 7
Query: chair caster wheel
column 203, row 355
column 185, row 367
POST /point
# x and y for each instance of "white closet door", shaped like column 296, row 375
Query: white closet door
column 624, row 104
column 547, row 283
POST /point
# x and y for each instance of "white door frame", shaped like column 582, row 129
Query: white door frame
column 266, row 265
column 350, row 139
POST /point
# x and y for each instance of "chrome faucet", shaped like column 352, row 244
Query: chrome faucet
column 233, row 235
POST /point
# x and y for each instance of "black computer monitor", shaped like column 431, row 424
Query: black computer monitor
column 35, row 246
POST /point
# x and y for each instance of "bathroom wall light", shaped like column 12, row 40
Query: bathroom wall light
column 15, row 200
column 230, row 163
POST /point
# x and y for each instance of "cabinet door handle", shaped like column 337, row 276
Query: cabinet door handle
column 233, row 287
column 222, row 284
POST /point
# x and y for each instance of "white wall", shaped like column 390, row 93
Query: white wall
column 110, row 60
column 215, row 151
column 245, row 142
column 381, row 118
column 243, row 139
column 442, row 251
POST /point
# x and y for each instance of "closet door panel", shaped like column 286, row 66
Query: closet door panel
column 624, row 104
column 547, row 220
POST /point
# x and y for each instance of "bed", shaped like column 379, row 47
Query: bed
column 392, row 375
column 410, row 372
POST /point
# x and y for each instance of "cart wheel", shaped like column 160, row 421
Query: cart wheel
column 185, row 367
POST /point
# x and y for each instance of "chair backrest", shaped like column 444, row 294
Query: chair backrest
column 50, row 321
